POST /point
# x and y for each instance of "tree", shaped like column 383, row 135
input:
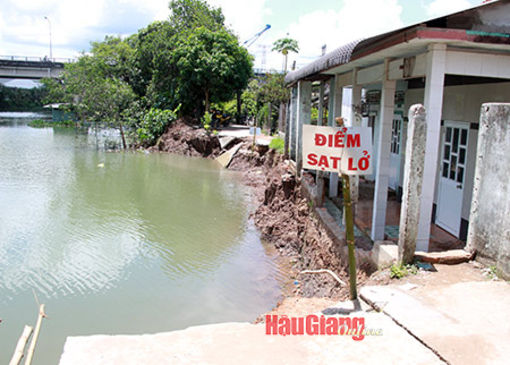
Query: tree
column 177, row 62
column 272, row 91
column 284, row 46
column 188, row 15
column 191, row 60
column 96, row 86
column 212, row 66
column 151, row 64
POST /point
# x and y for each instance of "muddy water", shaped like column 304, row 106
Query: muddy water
column 120, row 243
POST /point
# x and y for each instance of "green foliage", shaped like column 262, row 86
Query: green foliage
column 154, row 124
column 249, row 100
column 314, row 115
column 285, row 45
column 207, row 121
column 192, row 59
column 95, row 86
column 273, row 89
column 400, row 271
column 491, row 272
column 39, row 123
column 190, row 14
column 277, row 144
column 211, row 67
column 262, row 115
column 13, row 98
column 152, row 66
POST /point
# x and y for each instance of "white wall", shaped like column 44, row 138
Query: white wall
column 462, row 103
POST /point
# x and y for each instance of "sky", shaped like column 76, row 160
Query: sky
column 24, row 31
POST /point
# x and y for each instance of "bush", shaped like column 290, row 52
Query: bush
column 39, row 123
column 277, row 144
column 400, row 271
column 206, row 122
column 153, row 125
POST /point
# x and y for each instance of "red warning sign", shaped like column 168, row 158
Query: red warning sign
column 338, row 149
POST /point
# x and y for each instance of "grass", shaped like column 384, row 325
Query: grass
column 39, row 123
column 277, row 144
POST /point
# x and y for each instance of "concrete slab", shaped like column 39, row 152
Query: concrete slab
column 225, row 158
column 384, row 254
column 225, row 141
column 450, row 257
column 466, row 322
column 240, row 343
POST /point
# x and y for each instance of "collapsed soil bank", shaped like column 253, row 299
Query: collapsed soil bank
column 283, row 215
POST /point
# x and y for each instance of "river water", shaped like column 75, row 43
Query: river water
column 120, row 243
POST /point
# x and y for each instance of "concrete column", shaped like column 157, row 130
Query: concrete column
column 319, row 181
column 434, row 86
column 355, row 122
column 331, row 101
column 321, row 103
column 287, row 132
column 335, row 111
column 489, row 220
column 292, row 122
column 383, row 156
column 413, row 179
column 304, row 109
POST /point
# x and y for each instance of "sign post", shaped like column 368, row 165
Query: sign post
column 255, row 131
column 349, row 152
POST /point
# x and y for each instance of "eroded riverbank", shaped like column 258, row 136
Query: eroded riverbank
column 282, row 214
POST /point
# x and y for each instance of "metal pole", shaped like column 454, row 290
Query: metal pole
column 49, row 23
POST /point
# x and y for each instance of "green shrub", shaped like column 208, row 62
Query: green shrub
column 400, row 271
column 277, row 144
column 153, row 125
column 207, row 121
column 39, row 123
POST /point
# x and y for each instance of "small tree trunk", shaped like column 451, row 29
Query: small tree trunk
column 207, row 100
column 239, row 103
column 282, row 117
column 269, row 116
column 124, row 145
column 285, row 63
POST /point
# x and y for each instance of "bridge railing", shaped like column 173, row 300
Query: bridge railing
column 37, row 59
column 263, row 71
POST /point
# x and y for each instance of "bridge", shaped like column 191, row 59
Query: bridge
column 33, row 68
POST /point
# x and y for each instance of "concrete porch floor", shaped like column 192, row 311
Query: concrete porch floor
column 440, row 240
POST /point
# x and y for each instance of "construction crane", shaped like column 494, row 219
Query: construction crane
column 253, row 39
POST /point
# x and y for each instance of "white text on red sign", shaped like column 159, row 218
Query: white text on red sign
column 338, row 149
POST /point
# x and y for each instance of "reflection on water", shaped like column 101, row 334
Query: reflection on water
column 120, row 242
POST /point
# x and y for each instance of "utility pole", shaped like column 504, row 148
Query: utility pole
column 51, row 51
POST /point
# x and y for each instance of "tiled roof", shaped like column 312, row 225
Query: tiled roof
column 334, row 58
column 472, row 18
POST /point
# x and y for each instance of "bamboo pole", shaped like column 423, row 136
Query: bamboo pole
column 31, row 349
column 349, row 235
column 349, row 227
column 20, row 346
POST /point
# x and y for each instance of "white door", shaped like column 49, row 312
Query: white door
column 395, row 158
column 451, row 180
